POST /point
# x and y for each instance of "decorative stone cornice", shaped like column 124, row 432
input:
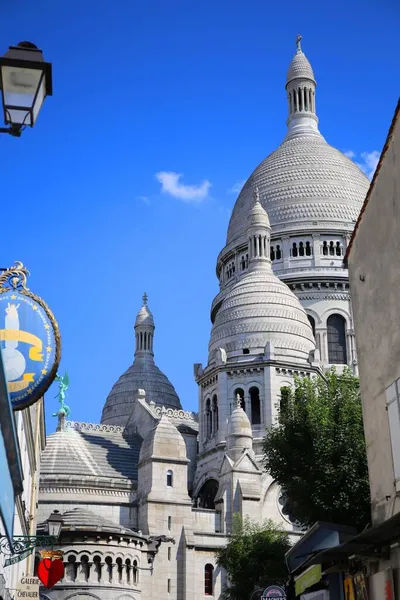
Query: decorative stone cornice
column 81, row 426
column 175, row 413
column 210, row 381
column 292, row 372
column 245, row 372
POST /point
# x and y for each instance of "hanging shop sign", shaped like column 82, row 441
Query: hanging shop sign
column 274, row 591
column 29, row 338
column 28, row 587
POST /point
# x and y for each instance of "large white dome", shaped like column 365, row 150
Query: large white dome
column 304, row 183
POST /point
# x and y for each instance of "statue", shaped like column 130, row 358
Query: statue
column 63, row 383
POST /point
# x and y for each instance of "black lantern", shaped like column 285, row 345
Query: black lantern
column 54, row 524
column 25, row 80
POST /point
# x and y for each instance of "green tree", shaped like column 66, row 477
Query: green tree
column 254, row 557
column 317, row 451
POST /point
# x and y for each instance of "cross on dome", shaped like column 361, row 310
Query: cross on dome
column 145, row 298
column 256, row 195
column 298, row 42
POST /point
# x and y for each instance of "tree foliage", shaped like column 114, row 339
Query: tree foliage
column 317, row 451
column 254, row 557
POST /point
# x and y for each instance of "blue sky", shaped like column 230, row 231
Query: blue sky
column 144, row 92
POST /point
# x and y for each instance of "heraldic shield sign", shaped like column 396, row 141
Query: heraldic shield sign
column 29, row 338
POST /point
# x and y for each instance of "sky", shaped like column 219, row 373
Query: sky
column 160, row 111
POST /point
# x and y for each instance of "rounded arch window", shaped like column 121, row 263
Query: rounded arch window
column 255, row 405
column 208, row 580
column 312, row 323
column 215, row 417
column 337, row 352
column 170, row 478
column 207, row 493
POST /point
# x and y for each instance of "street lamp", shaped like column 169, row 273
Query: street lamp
column 54, row 524
column 25, row 81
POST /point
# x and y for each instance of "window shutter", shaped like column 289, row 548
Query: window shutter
column 392, row 402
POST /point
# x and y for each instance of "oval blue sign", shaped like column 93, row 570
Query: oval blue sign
column 30, row 340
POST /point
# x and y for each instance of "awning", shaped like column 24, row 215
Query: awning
column 363, row 545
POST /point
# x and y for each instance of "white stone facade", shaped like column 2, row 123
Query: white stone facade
column 163, row 483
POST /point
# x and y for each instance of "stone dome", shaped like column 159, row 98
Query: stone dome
column 305, row 182
column 260, row 308
column 300, row 68
column 143, row 374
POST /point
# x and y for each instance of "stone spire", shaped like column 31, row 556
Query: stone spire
column 258, row 235
column 300, row 87
column 240, row 437
column 144, row 331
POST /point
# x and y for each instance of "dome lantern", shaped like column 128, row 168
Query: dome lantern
column 258, row 234
column 300, row 87
column 144, row 330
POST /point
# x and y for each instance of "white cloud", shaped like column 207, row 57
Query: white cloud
column 171, row 184
column 367, row 161
column 237, row 188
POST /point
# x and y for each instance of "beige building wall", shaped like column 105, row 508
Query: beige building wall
column 374, row 270
column 31, row 437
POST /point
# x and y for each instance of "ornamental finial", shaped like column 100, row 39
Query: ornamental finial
column 256, row 195
column 145, row 298
column 298, row 42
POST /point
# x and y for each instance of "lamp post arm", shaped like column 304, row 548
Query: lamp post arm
column 14, row 130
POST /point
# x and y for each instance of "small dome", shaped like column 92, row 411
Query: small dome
column 144, row 317
column 300, row 68
column 142, row 375
column 239, row 424
column 258, row 215
column 164, row 441
column 260, row 308
column 86, row 520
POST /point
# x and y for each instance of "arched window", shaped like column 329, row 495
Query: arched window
column 207, row 418
column 255, row 406
column 338, row 249
column 135, row 571
column 207, row 493
column 247, row 260
column 170, row 478
column 278, row 253
column 208, row 580
column 301, row 249
column 325, row 248
column 241, row 394
column 242, row 263
column 294, row 249
column 308, row 249
column 312, row 323
column 215, row 418
column 331, row 249
column 337, row 353
column 272, row 253
column 300, row 99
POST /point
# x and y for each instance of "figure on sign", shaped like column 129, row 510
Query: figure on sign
column 63, row 383
column 14, row 361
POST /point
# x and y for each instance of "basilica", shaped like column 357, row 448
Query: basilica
column 147, row 495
